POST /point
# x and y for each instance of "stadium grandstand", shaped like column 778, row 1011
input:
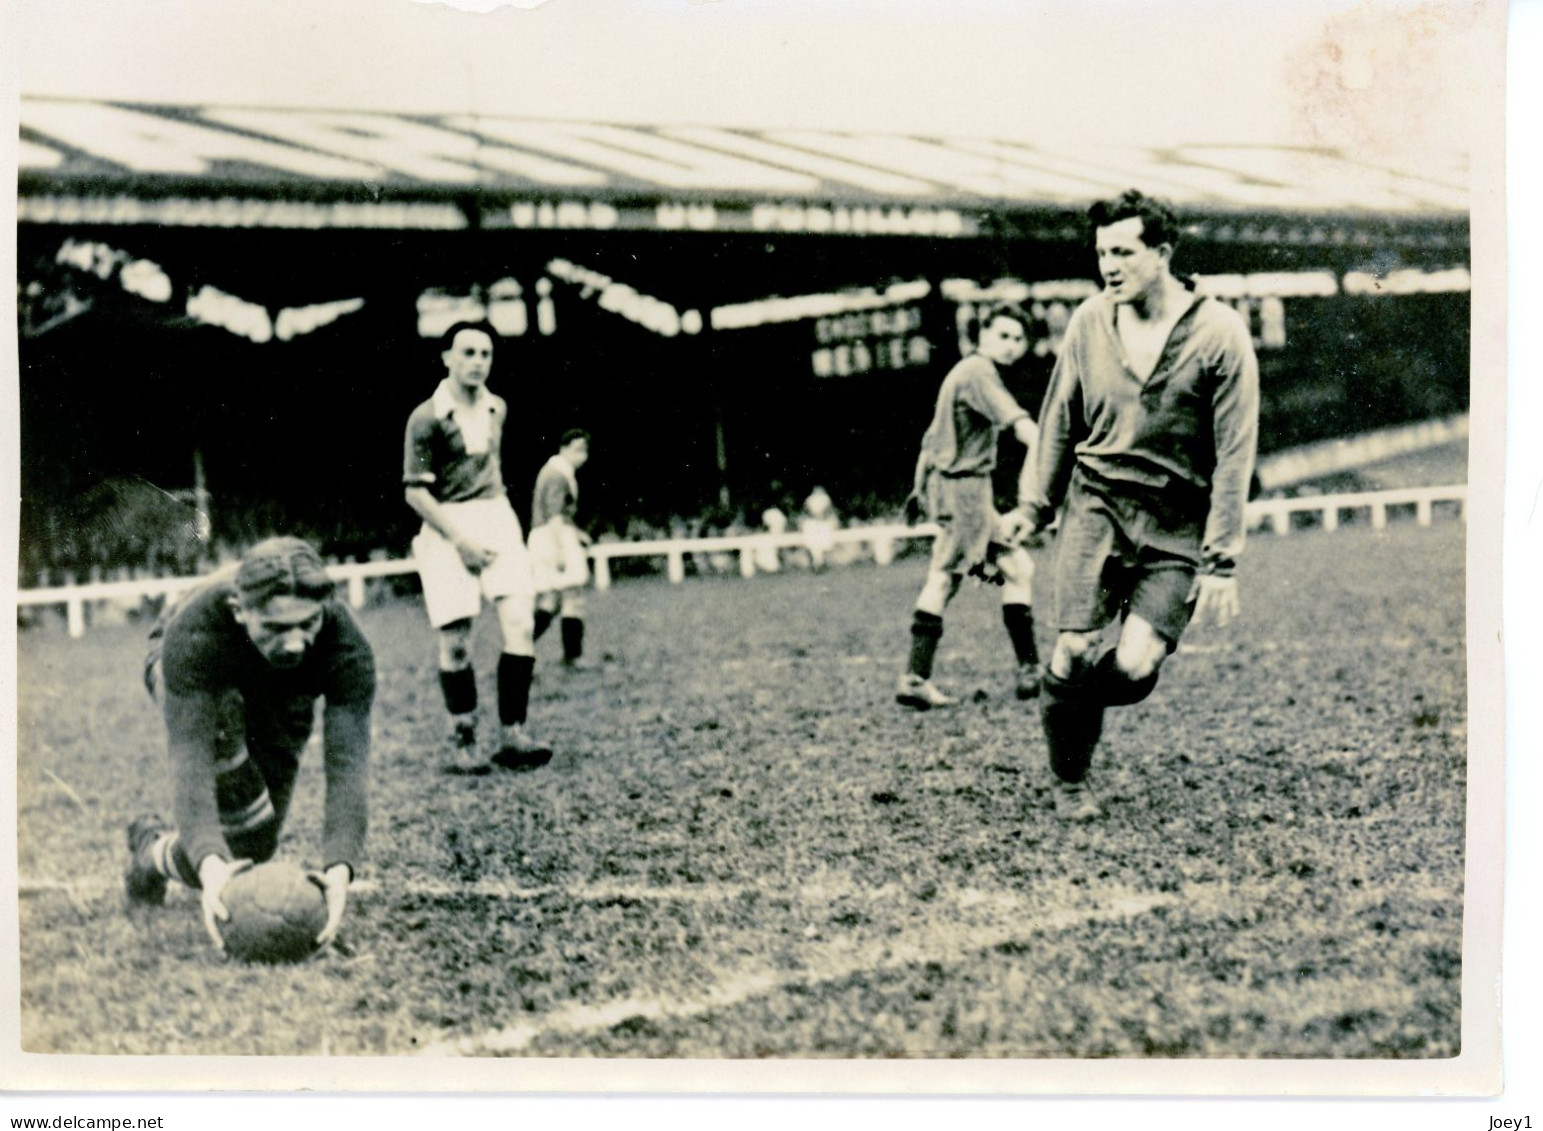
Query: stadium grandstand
column 243, row 304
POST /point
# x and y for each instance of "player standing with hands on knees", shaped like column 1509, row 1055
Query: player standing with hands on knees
column 237, row 665
column 471, row 547
column 1148, row 436
column 953, row 486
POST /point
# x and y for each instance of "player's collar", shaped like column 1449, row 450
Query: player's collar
column 446, row 403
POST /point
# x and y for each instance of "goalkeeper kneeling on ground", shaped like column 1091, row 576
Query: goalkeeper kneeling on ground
column 237, row 665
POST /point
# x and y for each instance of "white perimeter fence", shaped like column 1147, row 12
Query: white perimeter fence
column 1277, row 514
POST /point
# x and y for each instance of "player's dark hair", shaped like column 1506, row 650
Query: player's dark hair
column 571, row 435
column 1159, row 222
column 279, row 567
column 1003, row 310
column 447, row 340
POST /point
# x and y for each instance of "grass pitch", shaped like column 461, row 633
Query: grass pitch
column 745, row 848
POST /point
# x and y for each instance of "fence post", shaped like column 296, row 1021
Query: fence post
column 677, row 565
column 75, row 615
column 1331, row 518
column 883, row 550
column 1379, row 516
column 1280, row 521
column 356, row 590
column 1422, row 511
column 747, row 560
column 602, row 571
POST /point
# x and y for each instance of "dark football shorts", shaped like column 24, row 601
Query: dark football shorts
column 1126, row 549
column 966, row 510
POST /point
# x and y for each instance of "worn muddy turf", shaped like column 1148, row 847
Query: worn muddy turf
column 745, row 848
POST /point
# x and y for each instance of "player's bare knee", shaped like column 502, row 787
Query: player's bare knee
column 573, row 605
column 1141, row 650
column 455, row 646
column 1017, row 577
column 1074, row 654
column 938, row 590
column 517, row 619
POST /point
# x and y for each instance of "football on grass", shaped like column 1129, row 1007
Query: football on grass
column 276, row 912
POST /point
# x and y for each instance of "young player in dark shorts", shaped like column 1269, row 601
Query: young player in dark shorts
column 1148, row 436
column 558, row 547
column 953, row 486
column 471, row 548
column 237, row 666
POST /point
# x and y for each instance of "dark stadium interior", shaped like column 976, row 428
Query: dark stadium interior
column 305, row 434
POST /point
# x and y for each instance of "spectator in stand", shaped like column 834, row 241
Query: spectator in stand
column 818, row 525
column 768, row 558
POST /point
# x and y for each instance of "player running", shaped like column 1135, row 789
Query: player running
column 1149, row 431
column 953, row 485
column 471, row 547
column 558, row 546
column 237, row 665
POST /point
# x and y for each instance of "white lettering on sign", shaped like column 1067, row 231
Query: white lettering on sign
column 213, row 307
column 294, row 321
column 155, row 144
column 856, row 220
column 644, row 155
column 594, row 215
column 228, row 212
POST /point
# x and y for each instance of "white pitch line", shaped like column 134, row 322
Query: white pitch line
column 937, row 941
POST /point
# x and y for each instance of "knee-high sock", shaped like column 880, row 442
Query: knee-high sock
column 1115, row 688
column 573, row 637
column 460, row 690
column 926, row 631
column 514, row 687
column 1019, row 620
column 1073, row 719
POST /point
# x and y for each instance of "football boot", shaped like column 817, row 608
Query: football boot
column 143, row 882
column 1076, row 802
column 1027, row 684
column 922, row 694
column 522, row 750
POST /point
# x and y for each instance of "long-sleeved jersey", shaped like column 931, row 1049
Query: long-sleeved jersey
column 1193, row 425
column 204, row 653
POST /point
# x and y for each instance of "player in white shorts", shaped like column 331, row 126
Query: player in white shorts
column 471, row 546
column 558, row 548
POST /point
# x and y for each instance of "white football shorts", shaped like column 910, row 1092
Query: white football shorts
column 557, row 557
column 451, row 592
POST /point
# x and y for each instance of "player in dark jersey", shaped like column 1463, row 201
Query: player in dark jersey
column 471, row 546
column 558, row 553
column 953, row 486
column 1148, row 436
column 237, row 666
